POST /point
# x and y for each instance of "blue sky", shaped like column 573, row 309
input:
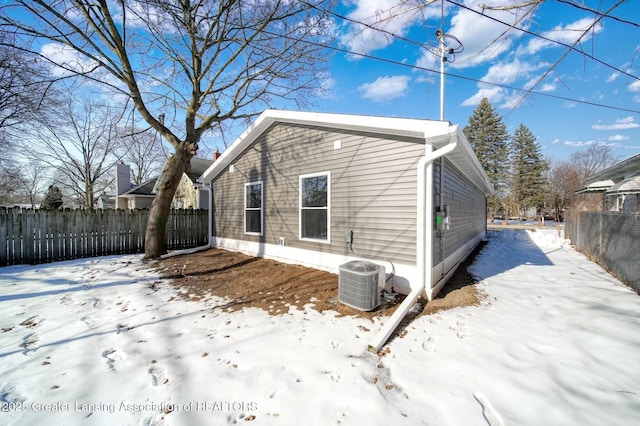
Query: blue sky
column 564, row 122
column 576, row 100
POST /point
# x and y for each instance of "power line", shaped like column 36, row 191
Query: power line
column 461, row 77
column 432, row 49
column 615, row 18
column 566, row 53
column 546, row 39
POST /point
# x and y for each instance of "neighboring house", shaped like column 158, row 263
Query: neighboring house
column 324, row 189
column 189, row 193
column 106, row 201
column 619, row 185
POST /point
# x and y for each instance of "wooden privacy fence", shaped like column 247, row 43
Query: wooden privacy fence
column 41, row 236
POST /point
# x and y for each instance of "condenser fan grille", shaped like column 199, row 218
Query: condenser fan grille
column 359, row 284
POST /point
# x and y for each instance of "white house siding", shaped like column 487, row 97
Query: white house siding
column 373, row 190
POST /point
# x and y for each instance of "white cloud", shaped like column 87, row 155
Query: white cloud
column 613, row 77
column 327, row 86
column 617, row 138
column 635, row 86
column 389, row 15
column 508, row 72
column 548, row 87
column 385, row 88
column 567, row 34
column 484, row 39
column 493, row 94
column 504, row 73
column 68, row 60
column 620, row 124
column 580, row 144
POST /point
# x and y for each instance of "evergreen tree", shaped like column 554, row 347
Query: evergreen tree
column 489, row 139
column 528, row 183
column 53, row 199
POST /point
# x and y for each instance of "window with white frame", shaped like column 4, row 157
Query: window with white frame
column 253, row 208
column 315, row 199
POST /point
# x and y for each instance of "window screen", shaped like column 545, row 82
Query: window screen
column 314, row 207
column 253, row 208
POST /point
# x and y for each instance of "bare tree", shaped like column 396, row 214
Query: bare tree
column 22, row 84
column 143, row 151
column 79, row 144
column 9, row 182
column 33, row 180
column 567, row 177
column 563, row 181
column 592, row 160
column 199, row 62
column 25, row 93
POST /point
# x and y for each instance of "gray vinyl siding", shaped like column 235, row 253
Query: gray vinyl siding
column 373, row 190
column 467, row 209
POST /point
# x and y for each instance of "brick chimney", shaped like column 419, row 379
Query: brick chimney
column 216, row 155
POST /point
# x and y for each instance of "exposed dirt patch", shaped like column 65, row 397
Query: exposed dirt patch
column 273, row 286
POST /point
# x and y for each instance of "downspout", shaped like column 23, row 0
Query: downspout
column 209, row 225
column 424, row 238
column 208, row 189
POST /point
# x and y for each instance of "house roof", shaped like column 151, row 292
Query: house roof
column 620, row 170
column 627, row 186
column 436, row 133
column 621, row 177
column 146, row 189
column 198, row 167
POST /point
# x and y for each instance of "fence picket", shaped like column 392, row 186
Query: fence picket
column 40, row 236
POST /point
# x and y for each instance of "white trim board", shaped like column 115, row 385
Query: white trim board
column 404, row 274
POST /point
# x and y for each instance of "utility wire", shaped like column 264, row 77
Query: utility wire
column 432, row 49
column 461, row 77
column 547, row 72
column 615, row 18
column 547, row 39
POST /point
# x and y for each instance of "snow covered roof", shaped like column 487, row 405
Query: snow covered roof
column 627, row 186
column 438, row 133
column 598, row 186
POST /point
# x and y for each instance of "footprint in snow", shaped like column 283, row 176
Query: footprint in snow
column 29, row 343
column 158, row 376
column 461, row 329
column 66, row 300
column 430, row 344
column 113, row 357
column 9, row 395
column 32, row 322
column 335, row 344
column 90, row 322
column 491, row 415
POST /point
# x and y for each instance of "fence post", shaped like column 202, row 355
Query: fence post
column 4, row 243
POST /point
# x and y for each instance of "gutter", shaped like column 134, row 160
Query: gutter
column 424, row 246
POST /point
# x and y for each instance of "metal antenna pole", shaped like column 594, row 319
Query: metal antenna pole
column 441, row 47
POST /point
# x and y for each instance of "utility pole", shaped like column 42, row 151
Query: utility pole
column 443, row 51
column 443, row 58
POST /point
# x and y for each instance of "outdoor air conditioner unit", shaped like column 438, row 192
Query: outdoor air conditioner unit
column 359, row 284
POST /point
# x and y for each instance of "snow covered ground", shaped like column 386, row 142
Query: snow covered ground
column 98, row 341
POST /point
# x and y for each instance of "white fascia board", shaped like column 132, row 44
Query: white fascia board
column 474, row 170
column 373, row 124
